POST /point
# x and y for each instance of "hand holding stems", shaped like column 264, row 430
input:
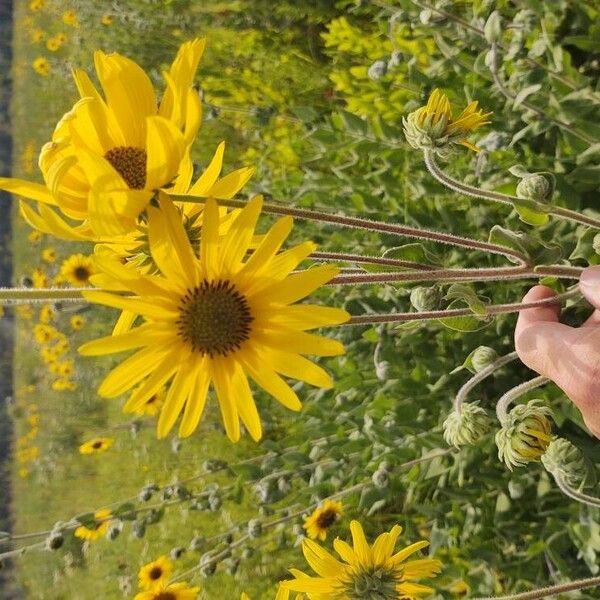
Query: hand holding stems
column 568, row 356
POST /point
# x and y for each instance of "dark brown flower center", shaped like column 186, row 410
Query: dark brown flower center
column 326, row 519
column 155, row 573
column 97, row 445
column 214, row 318
column 164, row 596
column 81, row 273
column 130, row 163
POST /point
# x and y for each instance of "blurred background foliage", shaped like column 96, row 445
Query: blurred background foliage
column 312, row 94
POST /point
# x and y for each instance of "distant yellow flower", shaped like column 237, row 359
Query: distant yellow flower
column 24, row 311
column 77, row 322
column 36, row 5
column 41, row 66
column 96, row 445
column 98, row 529
column 33, row 420
column 49, row 255
column 53, row 44
column 176, row 591
column 70, row 18
column 155, row 574
column 77, row 269
column 37, row 35
column 43, row 333
column 39, row 278
column 460, row 587
column 64, row 385
column 35, row 236
column 153, row 405
column 106, row 19
column 47, row 314
column 23, row 472
column 61, row 38
column 318, row 523
column 367, row 571
column 217, row 319
column 65, row 368
column 432, row 126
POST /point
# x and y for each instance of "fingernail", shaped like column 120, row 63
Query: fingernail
column 590, row 279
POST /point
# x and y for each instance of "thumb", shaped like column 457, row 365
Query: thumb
column 589, row 284
column 539, row 337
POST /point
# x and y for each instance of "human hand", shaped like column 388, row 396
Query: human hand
column 568, row 356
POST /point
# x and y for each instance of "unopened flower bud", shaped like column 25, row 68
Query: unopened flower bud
column 176, row 553
column 138, row 529
column 535, row 187
column 377, row 70
column 425, row 298
column 233, row 566
column 565, row 461
column 483, row 357
column 145, row 494
column 114, row 530
column 380, row 478
column 207, row 565
column 467, row 425
column 515, row 489
column 254, row 528
column 212, row 465
column 525, row 435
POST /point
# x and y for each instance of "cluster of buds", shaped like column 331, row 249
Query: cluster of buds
column 538, row 187
column 466, row 425
column 525, row 434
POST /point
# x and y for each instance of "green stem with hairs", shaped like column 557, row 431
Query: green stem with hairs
column 546, row 592
column 567, row 490
column 475, row 192
column 10, row 296
column 368, row 225
column 514, row 393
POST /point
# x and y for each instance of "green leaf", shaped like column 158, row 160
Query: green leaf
column 126, row 511
column 525, row 92
column 585, row 247
column 531, row 212
column 493, row 27
column 539, row 252
column 353, row 123
column 464, row 324
column 460, row 291
column 307, row 114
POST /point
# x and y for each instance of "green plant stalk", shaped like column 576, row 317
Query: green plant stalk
column 40, row 295
column 494, row 309
column 463, row 392
column 546, row 592
column 514, row 393
column 368, row 225
column 475, row 192
column 567, row 490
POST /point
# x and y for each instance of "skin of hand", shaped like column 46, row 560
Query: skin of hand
column 568, row 356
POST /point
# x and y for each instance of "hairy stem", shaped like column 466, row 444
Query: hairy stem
column 546, row 592
column 11, row 296
column 369, row 225
column 514, row 393
column 567, row 490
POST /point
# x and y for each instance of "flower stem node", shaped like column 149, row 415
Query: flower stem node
column 55, row 540
column 425, row 298
column 563, row 459
column 525, row 434
column 483, row 357
column 432, row 127
column 466, row 425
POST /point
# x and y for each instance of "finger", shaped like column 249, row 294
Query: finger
column 589, row 284
column 539, row 338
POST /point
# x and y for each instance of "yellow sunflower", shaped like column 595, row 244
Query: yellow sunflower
column 155, row 574
column 49, row 255
column 175, row 591
column 153, row 405
column 106, row 19
column 217, row 319
column 42, row 67
column 77, row 269
column 366, row 571
column 111, row 152
column 321, row 519
column 70, row 18
column 77, row 322
column 432, row 126
column 96, row 445
column 98, row 529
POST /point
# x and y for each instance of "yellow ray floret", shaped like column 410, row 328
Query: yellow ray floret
column 216, row 319
column 376, row 569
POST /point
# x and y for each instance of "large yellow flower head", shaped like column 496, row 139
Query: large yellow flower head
column 367, row 572
column 112, row 151
column 175, row 591
column 155, row 574
column 215, row 317
column 96, row 529
column 433, row 128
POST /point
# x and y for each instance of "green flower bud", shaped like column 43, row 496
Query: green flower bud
column 564, row 460
column 426, row 134
column 138, row 529
column 176, row 553
column 525, row 435
column 535, row 187
column 467, row 425
column 377, row 70
column 483, row 357
column 380, row 478
column 254, row 528
column 425, row 298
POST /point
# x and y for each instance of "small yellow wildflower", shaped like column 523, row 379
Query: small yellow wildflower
column 77, row 322
column 41, row 66
column 65, row 368
column 96, row 445
column 36, row 5
column 155, row 574
column 24, row 311
column 39, row 278
column 61, row 38
column 106, row 19
column 53, row 44
column 322, row 518
column 176, row 591
column 77, row 269
column 37, row 35
column 47, row 314
column 98, row 529
column 33, row 420
column 44, row 333
column 70, row 18
column 23, row 472
column 63, row 385
column 35, row 236
column 49, row 255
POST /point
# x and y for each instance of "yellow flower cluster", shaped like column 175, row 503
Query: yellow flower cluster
column 26, row 450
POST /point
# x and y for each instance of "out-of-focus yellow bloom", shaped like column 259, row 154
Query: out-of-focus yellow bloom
column 96, row 445
column 49, row 255
column 64, row 385
column 106, row 19
column 39, row 278
column 156, row 574
column 70, row 18
column 47, row 314
column 24, row 311
column 77, row 269
column 77, row 322
column 53, row 44
column 175, row 591
column 37, row 35
column 35, row 236
column 98, row 529
column 23, row 472
column 44, row 333
column 322, row 518
column 37, row 5
column 41, row 66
